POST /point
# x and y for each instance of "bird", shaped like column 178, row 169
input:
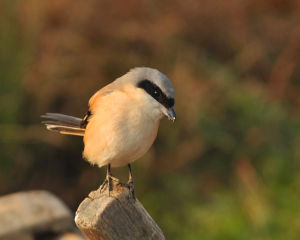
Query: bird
column 122, row 120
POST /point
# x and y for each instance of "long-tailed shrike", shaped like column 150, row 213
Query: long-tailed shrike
column 122, row 121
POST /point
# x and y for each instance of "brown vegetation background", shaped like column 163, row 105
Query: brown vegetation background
column 227, row 169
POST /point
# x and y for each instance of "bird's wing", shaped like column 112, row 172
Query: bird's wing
column 100, row 93
column 65, row 124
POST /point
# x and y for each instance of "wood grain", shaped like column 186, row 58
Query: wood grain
column 116, row 216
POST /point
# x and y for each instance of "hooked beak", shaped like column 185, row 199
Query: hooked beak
column 169, row 113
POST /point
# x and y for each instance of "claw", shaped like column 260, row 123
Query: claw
column 130, row 186
column 109, row 184
column 108, row 181
column 130, row 183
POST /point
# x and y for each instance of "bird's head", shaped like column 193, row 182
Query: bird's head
column 155, row 89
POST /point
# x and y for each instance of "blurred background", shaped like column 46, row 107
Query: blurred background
column 229, row 166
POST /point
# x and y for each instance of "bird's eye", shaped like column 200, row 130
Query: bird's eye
column 156, row 92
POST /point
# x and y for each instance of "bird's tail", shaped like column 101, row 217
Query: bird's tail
column 64, row 124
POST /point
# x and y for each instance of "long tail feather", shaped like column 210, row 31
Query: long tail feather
column 63, row 124
column 62, row 118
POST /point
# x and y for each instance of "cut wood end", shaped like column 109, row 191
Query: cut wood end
column 115, row 216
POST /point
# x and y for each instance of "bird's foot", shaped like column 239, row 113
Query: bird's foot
column 130, row 186
column 114, row 179
column 131, row 189
column 103, row 185
column 108, row 183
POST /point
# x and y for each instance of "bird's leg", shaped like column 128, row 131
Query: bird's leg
column 131, row 182
column 108, row 180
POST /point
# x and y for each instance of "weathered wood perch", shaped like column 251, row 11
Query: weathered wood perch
column 115, row 217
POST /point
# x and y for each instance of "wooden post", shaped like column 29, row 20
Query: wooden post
column 115, row 217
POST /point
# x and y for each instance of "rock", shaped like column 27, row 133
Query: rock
column 24, row 215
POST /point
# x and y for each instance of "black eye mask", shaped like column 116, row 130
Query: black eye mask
column 156, row 93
